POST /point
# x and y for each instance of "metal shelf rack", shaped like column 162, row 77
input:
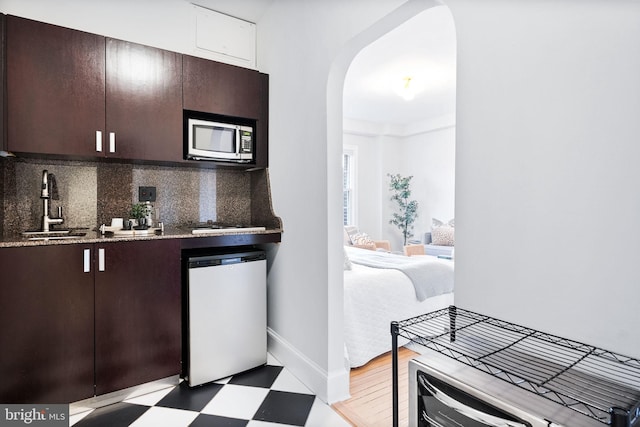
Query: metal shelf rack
column 597, row 383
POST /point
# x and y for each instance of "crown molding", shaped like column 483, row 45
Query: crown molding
column 367, row 128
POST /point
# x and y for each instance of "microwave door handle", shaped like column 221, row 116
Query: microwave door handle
column 238, row 141
column 467, row 411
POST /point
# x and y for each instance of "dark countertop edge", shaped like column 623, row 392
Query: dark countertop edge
column 95, row 237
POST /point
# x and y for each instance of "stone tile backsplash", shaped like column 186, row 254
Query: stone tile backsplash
column 92, row 193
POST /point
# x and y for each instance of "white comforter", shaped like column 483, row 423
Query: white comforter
column 373, row 297
column 430, row 276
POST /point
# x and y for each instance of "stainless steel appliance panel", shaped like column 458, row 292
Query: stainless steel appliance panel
column 465, row 396
column 227, row 315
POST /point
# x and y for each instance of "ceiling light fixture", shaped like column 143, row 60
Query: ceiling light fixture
column 407, row 89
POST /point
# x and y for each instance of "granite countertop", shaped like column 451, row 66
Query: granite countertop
column 94, row 236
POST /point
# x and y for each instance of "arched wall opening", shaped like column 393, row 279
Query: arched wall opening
column 338, row 369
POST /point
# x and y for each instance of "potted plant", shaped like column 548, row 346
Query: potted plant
column 407, row 209
column 139, row 212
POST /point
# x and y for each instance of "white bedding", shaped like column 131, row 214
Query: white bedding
column 429, row 275
column 373, row 297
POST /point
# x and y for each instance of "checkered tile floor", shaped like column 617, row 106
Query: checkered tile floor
column 268, row 396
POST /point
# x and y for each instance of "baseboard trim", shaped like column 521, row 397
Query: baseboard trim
column 121, row 395
column 329, row 387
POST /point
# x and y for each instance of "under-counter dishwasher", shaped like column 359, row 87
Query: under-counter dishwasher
column 225, row 319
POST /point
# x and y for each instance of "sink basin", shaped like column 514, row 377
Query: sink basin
column 45, row 233
column 53, row 235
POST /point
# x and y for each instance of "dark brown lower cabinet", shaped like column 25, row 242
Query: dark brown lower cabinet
column 137, row 318
column 67, row 335
column 46, row 325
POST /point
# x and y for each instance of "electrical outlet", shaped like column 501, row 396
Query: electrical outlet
column 147, row 194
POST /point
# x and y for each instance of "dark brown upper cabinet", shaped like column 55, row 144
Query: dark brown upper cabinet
column 55, row 89
column 73, row 93
column 143, row 102
column 218, row 88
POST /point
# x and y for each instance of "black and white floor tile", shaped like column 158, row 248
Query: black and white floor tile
column 269, row 396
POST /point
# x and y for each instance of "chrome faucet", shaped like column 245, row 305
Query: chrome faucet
column 49, row 191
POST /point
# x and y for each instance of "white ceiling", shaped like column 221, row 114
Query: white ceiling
column 423, row 48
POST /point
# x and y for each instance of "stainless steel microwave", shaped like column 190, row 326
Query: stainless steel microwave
column 218, row 140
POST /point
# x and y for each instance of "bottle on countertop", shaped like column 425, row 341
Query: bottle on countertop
column 149, row 216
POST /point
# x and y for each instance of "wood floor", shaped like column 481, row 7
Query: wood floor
column 370, row 388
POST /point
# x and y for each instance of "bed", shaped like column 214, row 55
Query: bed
column 377, row 292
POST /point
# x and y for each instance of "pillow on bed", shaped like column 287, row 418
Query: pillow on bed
column 361, row 239
column 348, row 231
column 442, row 234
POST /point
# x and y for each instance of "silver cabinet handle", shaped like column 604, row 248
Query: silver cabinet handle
column 87, row 260
column 98, row 141
column 112, row 142
column 101, row 259
column 465, row 410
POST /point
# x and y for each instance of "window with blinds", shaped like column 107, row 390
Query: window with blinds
column 348, row 187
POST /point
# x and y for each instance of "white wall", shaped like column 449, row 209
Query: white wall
column 547, row 199
column 430, row 159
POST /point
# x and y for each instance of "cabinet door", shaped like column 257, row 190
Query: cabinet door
column 219, row 88
column 143, row 102
column 46, row 313
column 55, row 88
column 3, row 139
column 137, row 320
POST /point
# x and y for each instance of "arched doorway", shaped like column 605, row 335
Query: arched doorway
column 399, row 117
column 338, row 384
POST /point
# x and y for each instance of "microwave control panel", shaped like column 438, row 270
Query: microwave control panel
column 246, row 141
